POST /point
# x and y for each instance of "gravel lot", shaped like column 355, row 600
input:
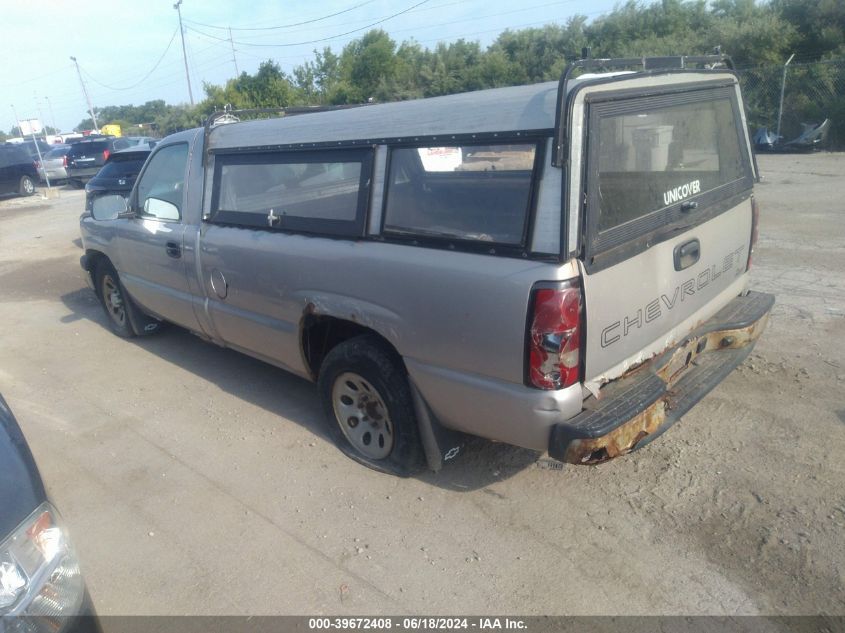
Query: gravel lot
column 197, row 480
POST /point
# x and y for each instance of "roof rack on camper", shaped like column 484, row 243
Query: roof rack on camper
column 715, row 61
column 230, row 115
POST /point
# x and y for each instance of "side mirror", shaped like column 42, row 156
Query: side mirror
column 161, row 209
column 109, row 207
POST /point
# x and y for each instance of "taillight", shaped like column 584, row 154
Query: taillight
column 554, row 338
column 37, row 164
column 64, row 161
column 105, row 155
column 755, row 230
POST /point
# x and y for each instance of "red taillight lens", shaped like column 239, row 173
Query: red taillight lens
column 106, row 154
column 554, row 340
column 755, row 230
column 64, row 161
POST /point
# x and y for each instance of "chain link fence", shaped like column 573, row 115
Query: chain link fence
column 813, row 92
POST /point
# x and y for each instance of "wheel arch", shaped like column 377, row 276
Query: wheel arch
column 320, row 333
column 91, row 260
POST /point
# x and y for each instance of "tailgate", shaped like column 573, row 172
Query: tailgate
column 668, row 218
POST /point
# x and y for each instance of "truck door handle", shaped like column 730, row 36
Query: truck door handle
column 173, row 250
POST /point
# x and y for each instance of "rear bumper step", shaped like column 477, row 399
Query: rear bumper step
column 638, row 407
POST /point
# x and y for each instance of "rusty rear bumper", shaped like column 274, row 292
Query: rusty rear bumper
column 636, row 408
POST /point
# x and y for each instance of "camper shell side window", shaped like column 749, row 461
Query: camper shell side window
column 463, row 196
column 323, row 192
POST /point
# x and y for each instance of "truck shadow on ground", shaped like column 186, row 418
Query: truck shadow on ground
column 293, row 398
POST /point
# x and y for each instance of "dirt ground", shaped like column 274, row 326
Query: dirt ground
column 197, row 480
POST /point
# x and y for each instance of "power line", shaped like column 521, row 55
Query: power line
column 170, row 64
column 476, row 18
column 305, row 57
column 318, row 30
column 281, row 26
column 176, row 77
column 323, row 39
column 496, row 30
column 145, row 77
column 48, row 74
column 224, row 44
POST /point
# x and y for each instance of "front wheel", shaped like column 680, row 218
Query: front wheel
column 125, row 318
column 26, row 186
column 367, row 399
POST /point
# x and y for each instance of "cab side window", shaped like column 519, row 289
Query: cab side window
column 162, row 183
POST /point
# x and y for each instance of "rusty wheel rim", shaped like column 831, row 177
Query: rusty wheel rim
column 363, row 418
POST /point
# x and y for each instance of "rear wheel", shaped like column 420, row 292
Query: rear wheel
column 125, row 318
column 26, row 187
column 367, row 398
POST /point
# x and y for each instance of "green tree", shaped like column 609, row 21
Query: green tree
column 365, row 65
column 820, row 25
column 176, row 119
column 540, row 54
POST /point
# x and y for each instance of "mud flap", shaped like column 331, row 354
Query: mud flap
column 440, row 444
column 141, row 323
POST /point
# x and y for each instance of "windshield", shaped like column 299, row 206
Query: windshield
column 57, row 152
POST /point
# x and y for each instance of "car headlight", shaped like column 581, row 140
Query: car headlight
column 39, row 573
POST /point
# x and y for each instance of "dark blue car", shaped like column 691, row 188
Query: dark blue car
column 118, row 175
column 41, row 586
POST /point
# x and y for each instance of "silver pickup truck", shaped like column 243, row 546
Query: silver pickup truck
column 561, row 266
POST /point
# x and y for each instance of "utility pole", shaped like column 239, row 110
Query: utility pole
column 17, row 121
column 782, row 90
column 234, row 59
column 40, row 116
column 85, row 92
column 52, row 116
column 184, row 53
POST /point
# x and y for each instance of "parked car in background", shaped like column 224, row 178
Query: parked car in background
column 126, row 142
column 30, row 147
column 54, row 164
column 40, row 580
column 18, row 173
column 86, row 158
column 118, row 175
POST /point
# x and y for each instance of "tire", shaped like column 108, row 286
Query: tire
column 125, row 318
column 367, row 401
column 26, row 187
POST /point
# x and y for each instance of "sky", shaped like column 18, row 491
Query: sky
column 130, row 52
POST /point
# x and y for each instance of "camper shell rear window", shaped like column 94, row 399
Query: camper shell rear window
column 661, row 163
